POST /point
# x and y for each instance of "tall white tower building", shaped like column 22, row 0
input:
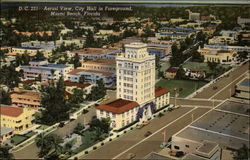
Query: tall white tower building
column 136, row 74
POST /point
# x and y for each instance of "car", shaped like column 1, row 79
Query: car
column 163, row 145
column 140, row 126
column 61, row 124
column 148, row 133
column 131, row 156
column 215, row 87
column 146, row 123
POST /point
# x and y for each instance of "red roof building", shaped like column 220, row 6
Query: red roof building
column 118, row 106
column 10, row 111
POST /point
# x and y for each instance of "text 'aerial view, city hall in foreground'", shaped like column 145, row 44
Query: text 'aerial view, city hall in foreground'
column 119, row 79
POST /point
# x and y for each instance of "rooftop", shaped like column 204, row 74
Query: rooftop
column 94, row 51
column 156, row 156
column 79, row 85
column 118, row 106
column 160, row 91
column 5, row 130
column 177, row 28
column 103, row 61
column 10, row 110
column 81, row 71
column 229, row 126
column 207, row 147
column 172, row 69
column 245, row 82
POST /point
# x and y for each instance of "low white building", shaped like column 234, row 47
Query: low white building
column 92, row 76
column 47, row 71
column 123, row 113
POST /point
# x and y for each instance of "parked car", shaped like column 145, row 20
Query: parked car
column 146, row 123
column 215, row 87
column 163, row 144
column 61, row 124
column 148, row 133
column 139, row 126
column 131, row 156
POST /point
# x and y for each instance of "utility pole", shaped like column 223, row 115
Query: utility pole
column 164, row 137
column 192, row 116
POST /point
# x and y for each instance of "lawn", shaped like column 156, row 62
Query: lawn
column 16, row 139
column 30, row 134
column 201, row 66
column 43, row 127
column 188, row 86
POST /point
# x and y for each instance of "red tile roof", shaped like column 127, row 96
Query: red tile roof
column 160, row 91
column 76, row 71
column 79, row 85
column 92, row 51
column 172, row 69
column 118, row 106
column 10, row 111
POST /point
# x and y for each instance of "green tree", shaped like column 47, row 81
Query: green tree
column 242, row 55
column 39, row 56
column 48, row 144
column 9, row 76
column 180, row 73
column 242, row 153
column 103, row 124
column 53, row 102
column 4, row 97
column 5, row 154
column 77, row 96
column 97, row 92
column 82, row 79
column 76, row 61
column 2, row 56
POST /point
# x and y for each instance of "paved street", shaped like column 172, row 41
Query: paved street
column 234, row 77
column 30, row 152
column 113, row 150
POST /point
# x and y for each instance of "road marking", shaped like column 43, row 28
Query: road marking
column 153, row 134
column 228, row 85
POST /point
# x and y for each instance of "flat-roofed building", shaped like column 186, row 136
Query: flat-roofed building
column 160, row 50
column 26, row 98
column 89, row 53
column 219, row 56
column 242, row 90
column 100, row 64
column 16, row 118
column 92, row 76
column 229, row 128
column 5, row 133
column 47, row 71
column 174, row 33
column 227, row 47
column 222, row 40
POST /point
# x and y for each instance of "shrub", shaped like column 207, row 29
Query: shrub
column 118, row 136
column 94, row 148
column 102, row 143
column 131, row 128
column 85, row 111
column 160, row 114
column 125, row 132
column 110, row 139
column 86, row 152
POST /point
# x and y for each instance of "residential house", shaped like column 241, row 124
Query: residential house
column 16, row 118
